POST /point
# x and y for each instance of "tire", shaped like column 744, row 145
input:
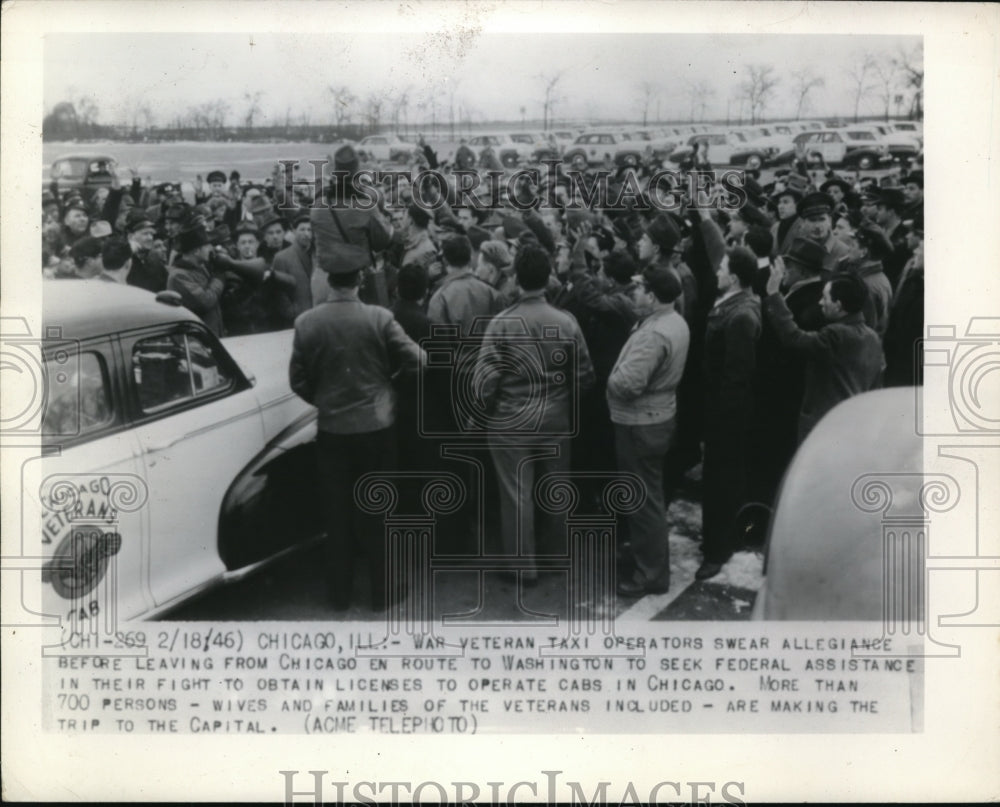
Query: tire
column 866, row 163
column 754, row 162
column 577, row 160
column 509, row 160
column 630, row 160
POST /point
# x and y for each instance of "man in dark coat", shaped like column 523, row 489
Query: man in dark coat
column 843, row 358
column 148, row 270
column 343, row 358
column 296, row 261
column 816, row 211
column 729, row 364
column 890, row 205
column 904, row 367
column 190, row 275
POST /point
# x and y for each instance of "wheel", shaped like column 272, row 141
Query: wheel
column 578, row 161
column 866, row 163
column 509, row 160
column 630, row 160
column 754, row 162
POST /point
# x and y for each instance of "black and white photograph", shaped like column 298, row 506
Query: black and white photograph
column 376, row 370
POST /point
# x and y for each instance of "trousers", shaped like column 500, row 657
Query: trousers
column 343, row 460
column 521, row 461
column 640, row 451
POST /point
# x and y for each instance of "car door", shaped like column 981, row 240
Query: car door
column 199, row 425
column 91, row 496
column 833, row 147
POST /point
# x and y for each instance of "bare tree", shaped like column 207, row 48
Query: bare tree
column 431, row 102
column 758, row 89
column 399, row 103
column 647, row 91
column 860, row 75
column 805, row 81
column 373, row 111
column 887, row 76
column 343, row 104
column 550, row 81
column 911, row 65
column 253, row 107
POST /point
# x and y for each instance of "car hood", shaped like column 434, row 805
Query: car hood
column 265, row 356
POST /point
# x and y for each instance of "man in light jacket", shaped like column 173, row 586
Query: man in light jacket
column 642, row 398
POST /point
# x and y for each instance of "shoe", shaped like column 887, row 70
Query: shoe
column 707, row 570
column 632, row 588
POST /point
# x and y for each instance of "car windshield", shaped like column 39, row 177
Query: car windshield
column 860, row 136
column 522, row 138
column 70, row 169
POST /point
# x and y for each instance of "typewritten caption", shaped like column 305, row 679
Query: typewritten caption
column 262, row 678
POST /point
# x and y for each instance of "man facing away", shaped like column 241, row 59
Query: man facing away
column 844, row 357
column 642, row 398
column 542, row 399
column 344, row 356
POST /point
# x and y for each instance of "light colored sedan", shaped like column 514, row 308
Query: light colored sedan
column 172, row 460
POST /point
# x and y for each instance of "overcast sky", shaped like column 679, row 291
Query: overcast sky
column 491, row 74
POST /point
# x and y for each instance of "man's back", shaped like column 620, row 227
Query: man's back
column 533, row 361
column 461, row 299
column 343, row 358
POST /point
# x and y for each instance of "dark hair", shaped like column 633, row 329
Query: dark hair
column 456, row 250
column 412, row 282
column 850, row 291
column 663, row 282
column 619, row 266
column 115, row 253
column 743, row 264
column 532, row 267
column 86, row 248
column 344, row 280
column 419, row 216
column 759, row 239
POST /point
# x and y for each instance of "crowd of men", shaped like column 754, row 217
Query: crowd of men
column 697, row 335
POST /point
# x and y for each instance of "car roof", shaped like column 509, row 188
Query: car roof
column 825, row 549
column 89, row 308
column 83, row 156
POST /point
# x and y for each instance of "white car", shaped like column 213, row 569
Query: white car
column 386, row 148
column 508, row 151
column 172, row 460
column 902, row 145
column 597, row 148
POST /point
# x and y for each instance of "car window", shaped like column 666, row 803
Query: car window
column 78, row 394
column 606, row 140
column 174, row 368
column 69, row 169
column 860, row 136
column 717, row 140
column 521, row 138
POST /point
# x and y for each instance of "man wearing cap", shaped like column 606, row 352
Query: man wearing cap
column 296, row 262
column 348, row 222
column 843, row 358
column 642, row 399
column 816, row 210
column 866, row 263
column 190, row 276
column 659, row 246
column 147, row 271
column 344, row 355
column 789, row 225
column 889, row 209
